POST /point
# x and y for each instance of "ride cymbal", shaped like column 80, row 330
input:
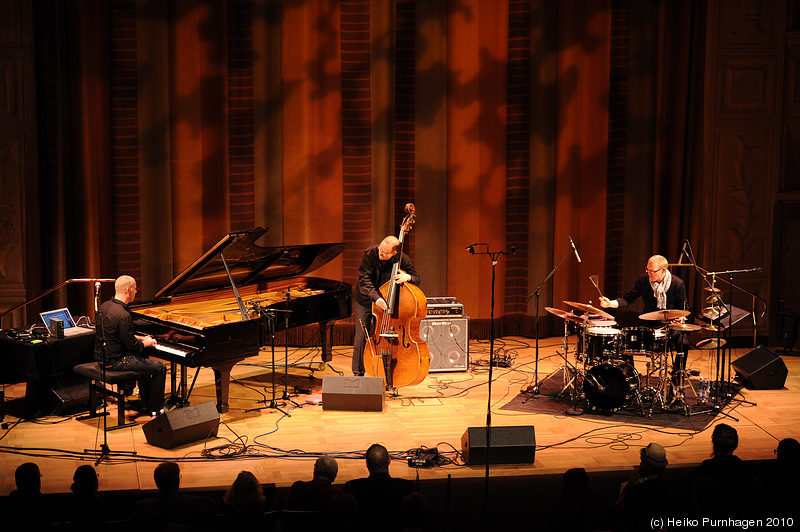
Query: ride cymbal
column 664, row 315
column 563, row 314
column 589, row 308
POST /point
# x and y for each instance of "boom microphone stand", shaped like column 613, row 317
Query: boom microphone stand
column 535, row 388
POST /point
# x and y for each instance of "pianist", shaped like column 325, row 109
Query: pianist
column 373, row 272
column 124, row 349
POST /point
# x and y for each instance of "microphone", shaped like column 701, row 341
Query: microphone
column 577, row 256
column 97, row 290
column 513, row 249
column 600, row 387
column 471, row 249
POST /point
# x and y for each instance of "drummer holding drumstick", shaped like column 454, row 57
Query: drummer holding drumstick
column 659, row 290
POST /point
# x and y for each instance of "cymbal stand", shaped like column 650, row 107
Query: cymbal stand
column 660, row 395
column 567, row 366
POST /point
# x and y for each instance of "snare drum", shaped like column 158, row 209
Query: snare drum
column 600, row 344
column 638, row 341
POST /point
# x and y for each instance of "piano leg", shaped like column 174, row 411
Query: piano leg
column 326, row 334
column 222, row 382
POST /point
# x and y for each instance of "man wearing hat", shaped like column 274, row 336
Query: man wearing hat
column 647, row 493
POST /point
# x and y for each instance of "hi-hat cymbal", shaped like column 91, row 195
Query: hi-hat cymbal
column 710, row 343
column 589, row 308
column 713, row 298
column 712, row 328
column 684, row 327
column 712, row 289
column 563, row 314
column 663, row 315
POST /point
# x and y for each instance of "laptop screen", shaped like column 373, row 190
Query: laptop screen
column 61, row 314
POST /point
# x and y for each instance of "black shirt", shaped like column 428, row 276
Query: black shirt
column 116, row 321
column 373, row 273
column 676, row 294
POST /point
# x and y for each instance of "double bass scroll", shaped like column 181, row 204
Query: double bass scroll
column 396, row 351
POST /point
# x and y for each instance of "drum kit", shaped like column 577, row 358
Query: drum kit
column 605, row 372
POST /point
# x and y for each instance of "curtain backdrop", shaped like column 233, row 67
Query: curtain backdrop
column 510, row 125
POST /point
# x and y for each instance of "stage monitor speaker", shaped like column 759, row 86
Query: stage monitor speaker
column 448, row 342
column 70, row 397
column 353, row 393
column 510, row 445
column 761, row 369
column 182, row 425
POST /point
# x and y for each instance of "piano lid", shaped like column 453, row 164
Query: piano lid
column 249, row 263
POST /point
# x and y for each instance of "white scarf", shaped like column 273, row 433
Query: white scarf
column 660, row 289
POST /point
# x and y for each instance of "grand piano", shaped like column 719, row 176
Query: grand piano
column 230, row 302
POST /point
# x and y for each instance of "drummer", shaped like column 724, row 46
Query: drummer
column 659, row 290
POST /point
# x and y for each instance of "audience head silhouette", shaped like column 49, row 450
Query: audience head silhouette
column 654, row 457
column 28, row 477
column 244, row 490
column 788, row 452
column 378, row 459
column 168, row 477
column 724, row 439
column 326, row 468
column 84, row 481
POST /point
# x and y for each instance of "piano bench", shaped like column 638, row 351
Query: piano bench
column 101, row 386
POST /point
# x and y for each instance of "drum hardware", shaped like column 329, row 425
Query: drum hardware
column 566, row 367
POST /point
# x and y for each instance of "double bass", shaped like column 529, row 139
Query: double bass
column 396, row 351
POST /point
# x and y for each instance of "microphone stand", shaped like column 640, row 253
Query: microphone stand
column 720, row 369
column 105, row 450
column 493, row 255
column 286, row 396
column 535, row 388
column 268, row 314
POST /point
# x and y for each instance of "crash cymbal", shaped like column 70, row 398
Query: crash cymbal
column 563, row 314
column 712, row 289
column 589, row 308
column 684, row 327
column 663, row 315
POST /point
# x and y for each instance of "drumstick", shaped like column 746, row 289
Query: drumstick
column 593, row 279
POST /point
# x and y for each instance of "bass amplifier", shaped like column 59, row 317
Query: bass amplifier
column 448, row 342
column 444, row 306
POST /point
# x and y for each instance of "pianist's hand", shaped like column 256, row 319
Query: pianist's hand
column 148, row 341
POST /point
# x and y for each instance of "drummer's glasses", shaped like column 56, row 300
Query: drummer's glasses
column 648, row 270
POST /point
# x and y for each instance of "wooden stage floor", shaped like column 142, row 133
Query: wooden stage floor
column 280, row 448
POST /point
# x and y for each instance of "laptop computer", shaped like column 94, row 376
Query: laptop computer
column 64, row 315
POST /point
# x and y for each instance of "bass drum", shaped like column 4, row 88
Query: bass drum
column 609, row 387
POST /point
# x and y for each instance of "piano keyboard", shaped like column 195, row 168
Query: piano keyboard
column 172, row 350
